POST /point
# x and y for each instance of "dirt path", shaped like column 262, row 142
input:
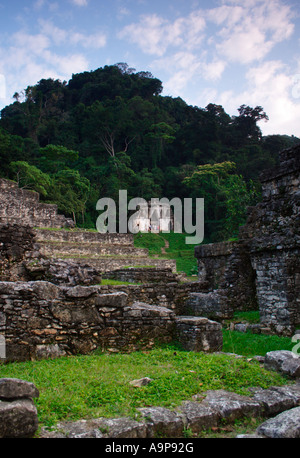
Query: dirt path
column 163, row 249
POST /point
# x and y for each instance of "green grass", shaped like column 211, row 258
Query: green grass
column 77, row 387
column 249, row 344
column 108, row 281
column 178, row 249
column 153, row 242
column 251, row 317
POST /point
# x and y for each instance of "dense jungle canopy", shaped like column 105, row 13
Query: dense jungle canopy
column 110, row 129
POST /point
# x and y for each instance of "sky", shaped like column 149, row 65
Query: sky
column 227, row 52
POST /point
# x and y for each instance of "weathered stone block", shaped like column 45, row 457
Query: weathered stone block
column 18, row 419
column 231, row 405
column 162, row 422
column 199, row 334
column 284, row 426
column 283, row 361
column 11, row 388
column 198, row 417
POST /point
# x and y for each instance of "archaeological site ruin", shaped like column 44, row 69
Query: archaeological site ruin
column 52, row 301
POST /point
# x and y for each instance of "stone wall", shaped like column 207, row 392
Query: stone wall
column 272, row 235
column 21, row 259
column 263, row 267
column 17, row 244
column 21, row 206
column 143, row 275
column 171, row 295
column 41, row 319
column 227, row 267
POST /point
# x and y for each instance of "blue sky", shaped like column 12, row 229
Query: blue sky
column 228, row 52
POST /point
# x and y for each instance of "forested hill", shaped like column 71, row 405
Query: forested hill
column 111, row 129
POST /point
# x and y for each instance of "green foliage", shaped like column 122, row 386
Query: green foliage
column 30, row 177
column 249, row 344
column 73, row 388
column 227, row 194
column 248, row 317
column 114, row 128
column 53, row 158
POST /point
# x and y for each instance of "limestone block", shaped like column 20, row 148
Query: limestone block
column 12, row 388
column 286, row 425
column 162, row 422
column 198, row 417
column 283, row 361
column 18, row 418
column 199, row 334
column 231, row 405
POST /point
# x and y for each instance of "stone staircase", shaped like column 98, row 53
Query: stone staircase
column 104, row 252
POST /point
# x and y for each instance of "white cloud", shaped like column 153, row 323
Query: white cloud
column 62, row 36
column 213, row 70
column 250, row 31
column 154, row 34
column 80, row 2
column 268, row 85
column 96, row 40
column 29, row 58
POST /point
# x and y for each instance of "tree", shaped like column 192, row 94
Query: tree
column 71, row 192
column 226, row 196
column 55, row 157
column 161, row 134
column 30, row 177
column 246, row 122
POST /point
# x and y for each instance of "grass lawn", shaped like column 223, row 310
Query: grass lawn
column 169, row 245
column 97, row 385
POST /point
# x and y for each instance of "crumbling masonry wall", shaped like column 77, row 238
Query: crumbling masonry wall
column 41, row 319
column 21, row 206
column 272, row 235
column 263, row 266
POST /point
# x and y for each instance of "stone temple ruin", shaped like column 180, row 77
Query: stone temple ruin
column 262, row 269
column 52, row 301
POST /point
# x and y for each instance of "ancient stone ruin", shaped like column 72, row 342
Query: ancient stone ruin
column 262, row 269
column 52, row 303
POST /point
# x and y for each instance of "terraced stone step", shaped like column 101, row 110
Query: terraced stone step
column 69, row 249
column 110, row 263
column 82, row 236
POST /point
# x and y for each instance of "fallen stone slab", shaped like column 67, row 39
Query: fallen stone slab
column 286, row 425
column 283, row 361
column 12, row 388
column 230, row 405
column 162, row 422
column 121, row 428
column 18, row 418
column 198, row 417
column 274, row 400
column 290, row 390
column 140, row 382
column 81, row 429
